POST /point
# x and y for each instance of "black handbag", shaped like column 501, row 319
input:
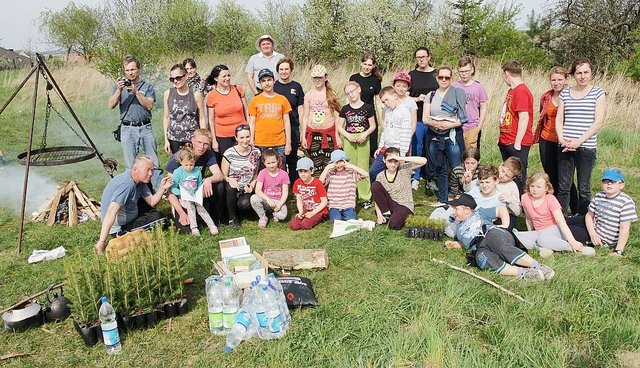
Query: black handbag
column 117, row 133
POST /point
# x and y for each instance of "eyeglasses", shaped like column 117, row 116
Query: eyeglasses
column 242, row 127
column 176, row 79
column 609, row 181
column 349, row 93
column 444, row 77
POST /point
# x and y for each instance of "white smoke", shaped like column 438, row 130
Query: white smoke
column 39, row 191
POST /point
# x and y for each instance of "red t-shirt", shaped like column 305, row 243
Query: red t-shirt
column 311, row 194
column 518, row 99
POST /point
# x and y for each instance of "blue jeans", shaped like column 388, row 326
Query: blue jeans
column 133, row 138
column 377, row 167
column 582, row 162
column 441, row 153
column 417, row 146
column 344, row 214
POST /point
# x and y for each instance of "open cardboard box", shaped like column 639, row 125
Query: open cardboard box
column 235, row 247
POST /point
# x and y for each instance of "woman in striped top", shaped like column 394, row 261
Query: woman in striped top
column 580, row 116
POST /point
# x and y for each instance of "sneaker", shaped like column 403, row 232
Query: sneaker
column 588, row 251
column 547, row 271
column 213, row 230
column 195, row 232
column 431, row 187
column 415, row 184
column 275, row 219
column 438, row 204
column 366, row 205
column 262, row 222
column 545, row 252
column 531, row 274
column 234, row 224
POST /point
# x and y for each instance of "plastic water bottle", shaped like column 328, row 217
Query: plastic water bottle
column 214, row 302
column 230, row 304
column 282, row 300
column 109, row 326
column 239, row 331
column 268, row 314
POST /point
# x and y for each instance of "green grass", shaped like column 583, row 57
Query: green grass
column 383, row 302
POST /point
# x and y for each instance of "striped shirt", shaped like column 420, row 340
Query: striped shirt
column 341, row 189
column 579, row 115
column 397, row 129
column 399, row 188
column 609, row 213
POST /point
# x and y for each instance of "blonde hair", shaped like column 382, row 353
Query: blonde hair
column 514, row 164
column 559, row 70
column 185, row 154
column 540, row 176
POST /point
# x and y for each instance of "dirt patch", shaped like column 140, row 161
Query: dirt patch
column 630, row 359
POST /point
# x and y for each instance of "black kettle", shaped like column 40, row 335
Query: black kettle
column 57, row 308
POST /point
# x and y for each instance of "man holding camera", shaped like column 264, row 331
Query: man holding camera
column 136, row 97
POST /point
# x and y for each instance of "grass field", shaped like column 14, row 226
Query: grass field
column 383, row 302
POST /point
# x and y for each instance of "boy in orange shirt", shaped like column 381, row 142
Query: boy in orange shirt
column 269, row 118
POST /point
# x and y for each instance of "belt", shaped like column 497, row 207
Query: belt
column 135, row 123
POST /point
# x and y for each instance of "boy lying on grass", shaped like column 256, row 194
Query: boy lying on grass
column 493, row 246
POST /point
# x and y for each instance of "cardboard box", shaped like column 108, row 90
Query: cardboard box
column 238, row 247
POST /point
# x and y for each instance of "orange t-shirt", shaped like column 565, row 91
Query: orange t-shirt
column 228, row 110
column 549, row 129
column 269, row 113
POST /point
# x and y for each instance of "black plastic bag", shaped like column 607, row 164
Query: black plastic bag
column 298, row 291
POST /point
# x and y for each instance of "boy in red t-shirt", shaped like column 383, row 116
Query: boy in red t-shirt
column 311, row 198
column 516, row 120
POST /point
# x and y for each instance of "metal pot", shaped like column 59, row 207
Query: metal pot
column 21, row 319
column 57, row 308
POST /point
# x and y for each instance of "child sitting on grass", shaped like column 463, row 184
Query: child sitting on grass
column 311, row 198
column 547, row 227
column 465, row 173
column 492, row 246
column 341, row 177
column 608, row 220
column 392, row 188
column 189, row 177
column 510, row 169
column 272, row 189
column 484, row 189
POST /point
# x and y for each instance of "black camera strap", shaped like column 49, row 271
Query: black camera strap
column 129, row 105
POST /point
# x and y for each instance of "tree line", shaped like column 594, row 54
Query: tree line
column 607, row 32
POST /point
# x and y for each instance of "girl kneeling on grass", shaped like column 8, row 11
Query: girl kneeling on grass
column 547, row 227
column 392, row 188
column 272, row 189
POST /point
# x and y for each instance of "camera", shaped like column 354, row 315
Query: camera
column 127, row 82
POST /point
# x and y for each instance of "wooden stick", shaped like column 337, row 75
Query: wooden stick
column 12, row 355
column 54, row 207
column 33, row 296
column 73, row 210
column 481, row 279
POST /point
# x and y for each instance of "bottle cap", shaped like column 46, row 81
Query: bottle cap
column 103, row 299
column 227, row 349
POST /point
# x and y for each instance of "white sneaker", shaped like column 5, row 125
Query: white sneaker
column 415, row 184
column 545, row 252
column 531, row 274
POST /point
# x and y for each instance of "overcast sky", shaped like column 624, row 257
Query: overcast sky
column 19, row 19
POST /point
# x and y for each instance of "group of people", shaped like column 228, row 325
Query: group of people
column 428, row 127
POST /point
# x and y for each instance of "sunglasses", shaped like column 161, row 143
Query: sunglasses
column 242, row 127
column 444, row 77
column 609, row 181
column 176, row 79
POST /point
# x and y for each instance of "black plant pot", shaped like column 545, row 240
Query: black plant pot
column 152, row 318
column 183, row 307
column 139, row 321
column 91, row 333
column 170, row 309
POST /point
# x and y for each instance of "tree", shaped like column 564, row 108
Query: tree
column 74, row 28
column 233, row 28
column 285, row 22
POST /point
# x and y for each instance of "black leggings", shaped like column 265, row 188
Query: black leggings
column 236, row 200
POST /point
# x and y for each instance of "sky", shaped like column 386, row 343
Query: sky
column 19, row 19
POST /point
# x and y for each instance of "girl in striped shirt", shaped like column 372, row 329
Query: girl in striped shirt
column 341, row 177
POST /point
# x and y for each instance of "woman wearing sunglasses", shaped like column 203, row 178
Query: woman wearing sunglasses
column 183, row 111
column 227, row 106
column 444, row 113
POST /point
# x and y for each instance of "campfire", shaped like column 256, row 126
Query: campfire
column 69, row 205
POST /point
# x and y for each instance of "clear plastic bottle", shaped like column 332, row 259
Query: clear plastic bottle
column 109, row 326
column 240, row 330
column 282, row 300
column 230, row 304
column 214, row 304
column 268, row 314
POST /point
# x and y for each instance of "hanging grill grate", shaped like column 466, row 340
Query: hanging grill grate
column 53, row 156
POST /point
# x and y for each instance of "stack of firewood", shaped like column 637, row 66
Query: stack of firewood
column 69, row 205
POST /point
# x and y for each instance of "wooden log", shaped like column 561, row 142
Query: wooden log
column 68, row 186
column 297, row 259
column 73, row 209
column 53, row 208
